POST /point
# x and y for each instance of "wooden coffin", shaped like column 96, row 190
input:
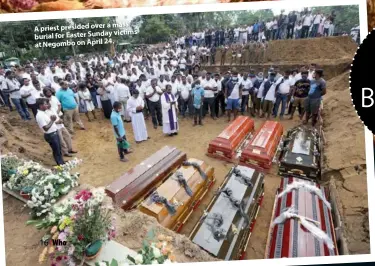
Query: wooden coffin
column 301, row 153
column 132, row 187
column 227, row 144
column 178, row 196
column 290, row 237
column 225, row 228
column 262, row 148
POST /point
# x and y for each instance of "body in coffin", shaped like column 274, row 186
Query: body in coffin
column 226, row 144
column 301, row 153
column 292, row 237
column 128, row 190
column 262, row 148
column 180, row 193
column 225, row 228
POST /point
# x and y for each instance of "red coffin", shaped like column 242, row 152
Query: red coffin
column 288, row 237
column 225, row 145
column 259, row 152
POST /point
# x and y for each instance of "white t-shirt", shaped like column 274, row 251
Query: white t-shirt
column 284, row 87
column 156, row 96
column 122, row 91
column 209, row 83
column 25, row 90
column 175, row 88
column 43, row 119
column 307, row 20
column 55, row 103
column 219, row 85
column 317, row 19
column 50, row 112
column 185, row 90
column 247, row 84
column 182, row 63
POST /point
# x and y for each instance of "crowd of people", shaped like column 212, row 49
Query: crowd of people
column 165, row 84
column 295, row 25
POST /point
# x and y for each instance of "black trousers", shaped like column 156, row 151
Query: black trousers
column 208, row 103
column 198, row 115
column 305, row 32
column 184, row 106
column 219, row 103
column 244, row 102
column 290, row 31
column 54, row 141
column 33, row 108
column 155, row 110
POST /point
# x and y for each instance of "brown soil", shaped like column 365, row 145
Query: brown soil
column 344, row 134
column 101, row 166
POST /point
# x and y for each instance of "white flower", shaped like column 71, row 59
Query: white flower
column 156, row 252
column 38, row 214
column 53, row 201
column 138, row 259
column 102, row 264
column 154, row 262
column 46, row 192
column 167, row 261
column 33, row 199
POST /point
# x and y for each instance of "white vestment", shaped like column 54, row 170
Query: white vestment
column 138, row 120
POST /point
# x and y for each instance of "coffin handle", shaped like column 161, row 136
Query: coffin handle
column 156, row 198
column 196, row 167
column 182, row 181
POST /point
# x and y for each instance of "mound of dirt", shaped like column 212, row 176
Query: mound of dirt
column 331, row 48
column 345, row 160
column 344, row 132
column 132, row 228
column 23, row 138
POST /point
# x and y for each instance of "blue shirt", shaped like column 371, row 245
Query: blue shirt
column 116, row 121
column 198, row 93
column 67, row 99
column 316, row 88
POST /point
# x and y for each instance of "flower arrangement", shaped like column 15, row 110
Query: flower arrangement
column 9, row 165
column 39, row 185
column 152, row 252
column 83, row 223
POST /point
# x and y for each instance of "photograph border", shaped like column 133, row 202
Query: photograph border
column 297, row 4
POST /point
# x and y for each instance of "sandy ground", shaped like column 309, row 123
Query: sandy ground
column 96, row 146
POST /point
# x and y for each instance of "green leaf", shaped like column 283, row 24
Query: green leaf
column 113, row 263
column 131, row 259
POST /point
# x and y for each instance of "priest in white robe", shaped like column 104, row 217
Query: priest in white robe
column 169, row 111
column 135, row 107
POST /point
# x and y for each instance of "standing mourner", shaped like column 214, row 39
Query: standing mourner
column 198, row 97
column 283, row 88
column 269, row 95
column 185, row 90
column 122, row 92
column 135, row 106
column 47, row 124
column 30, row 94
column 314, row 98
column 153, row 94
column 301, row 90
column 104, row 100
column 233, row 96
column 54, row 108
column 246, row 86
column 70, row 107
column 209, row 85
column 169, row 106
column 86, row 103
column 11, row 86
column 119, row 131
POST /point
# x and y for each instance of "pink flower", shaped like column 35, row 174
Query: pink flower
column 71, row 250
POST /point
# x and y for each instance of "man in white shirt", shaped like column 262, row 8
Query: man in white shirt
column 29, row 94
column 153, row 94
column 123, row 94
column 306, row 24
column 209, row 85
column 11, row 86
column 315, row 24
column 185, row 89
column 47, row 124
column 233, row 96
column 246, row 86
column 283, row 89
